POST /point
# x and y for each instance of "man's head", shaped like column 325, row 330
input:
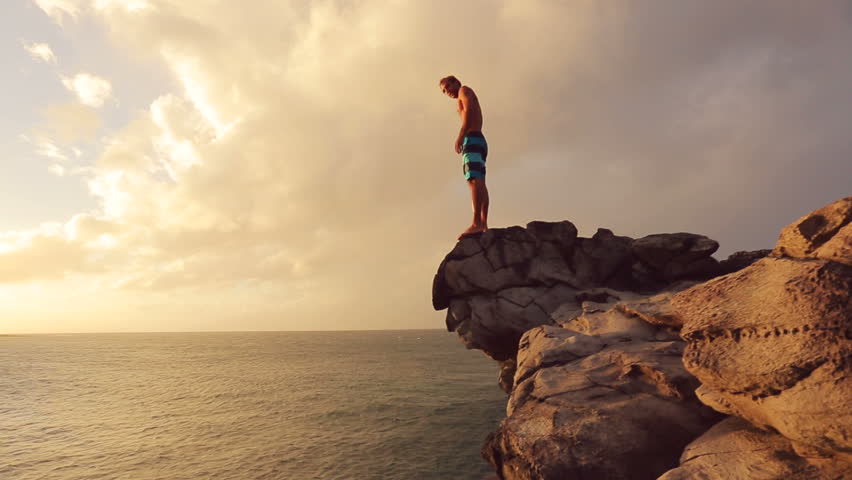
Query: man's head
column 450, row 86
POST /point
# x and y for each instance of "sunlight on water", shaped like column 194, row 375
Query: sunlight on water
column 277, row 405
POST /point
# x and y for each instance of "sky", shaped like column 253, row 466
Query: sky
column 211, row 165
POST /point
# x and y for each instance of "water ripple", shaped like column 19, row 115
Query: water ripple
column 279, row 405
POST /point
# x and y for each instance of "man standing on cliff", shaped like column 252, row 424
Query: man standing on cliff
column 471, row 144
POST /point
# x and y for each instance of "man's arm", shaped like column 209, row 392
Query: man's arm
column 464, row 98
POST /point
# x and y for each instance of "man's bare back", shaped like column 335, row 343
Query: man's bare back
column 474, row 112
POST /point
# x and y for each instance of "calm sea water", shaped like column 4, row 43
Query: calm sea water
column 271, row 405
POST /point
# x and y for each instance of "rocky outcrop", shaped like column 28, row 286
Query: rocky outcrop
column 772, row 343
column 500, row 284
column 581, row 346
column 825, row 233
column 735, row 449
column 740, row 260
column 677, row 255
column 605, row 396
column 614, row 350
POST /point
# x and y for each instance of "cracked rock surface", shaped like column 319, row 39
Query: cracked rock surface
column 499, row 284
column 735, row 449
column 613, row 351
column 606, row 396
column 772, row 343
column 825, row 233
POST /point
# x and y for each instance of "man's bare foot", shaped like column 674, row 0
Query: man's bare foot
column 472, row 230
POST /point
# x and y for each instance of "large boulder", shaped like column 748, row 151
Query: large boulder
column 739, row 260
column 771, row 343
column 606, row 396
column 734, row 449
column 499, row 284
column 825, row 233
column 602, row 342
column 677, row 255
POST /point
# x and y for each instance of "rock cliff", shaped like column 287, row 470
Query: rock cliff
column 613, row 350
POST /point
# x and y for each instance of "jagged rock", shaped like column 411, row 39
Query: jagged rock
column 613, row 323
column 495, row 323
column 562, row 233
column 546, row 346
column 740, row 260
column 506, row 281
column 597, row 404
column 505, row 379
column 839, row 248
column 771, row 343
column 597, row 260
column 656, row 310
column 825, row 233
column 505, row 264
column 734, row 449
column 660, row 249
column 598, row 388
column 678, row 255
column 496, row 259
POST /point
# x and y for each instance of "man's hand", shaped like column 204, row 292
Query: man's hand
column 459, row 144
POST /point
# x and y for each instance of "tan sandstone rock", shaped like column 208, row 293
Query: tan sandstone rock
column 734, row 449
column 772, row 343
column 612, row 401
column 598, row 388
column 825, row 233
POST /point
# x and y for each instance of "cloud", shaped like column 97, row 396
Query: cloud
column 47, row 148
column 41, row 51
column 59, row 9
column 307, row 150
column 38, row 255
column 128, row 5
column 90, row 89
column 82, row 245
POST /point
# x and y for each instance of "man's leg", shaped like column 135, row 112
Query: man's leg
column 476, row 185
column 483, row 202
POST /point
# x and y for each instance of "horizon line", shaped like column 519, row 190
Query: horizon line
column 218, row 331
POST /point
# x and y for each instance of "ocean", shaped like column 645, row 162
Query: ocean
column 406, row 404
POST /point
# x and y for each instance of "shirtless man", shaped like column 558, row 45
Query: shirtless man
column 471, row 144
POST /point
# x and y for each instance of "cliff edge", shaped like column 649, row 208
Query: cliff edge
column 613, row 350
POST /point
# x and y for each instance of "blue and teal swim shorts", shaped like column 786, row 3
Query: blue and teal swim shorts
column 474, row 152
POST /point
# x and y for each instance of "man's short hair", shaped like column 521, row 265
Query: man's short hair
column 448, row 79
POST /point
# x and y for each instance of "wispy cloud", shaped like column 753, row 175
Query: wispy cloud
column 91, row 90
column 41, row 51
column 128, row 5
column 59, row 9
column 49, row 149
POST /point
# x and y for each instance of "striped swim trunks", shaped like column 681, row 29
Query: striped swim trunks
column 474, row 152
